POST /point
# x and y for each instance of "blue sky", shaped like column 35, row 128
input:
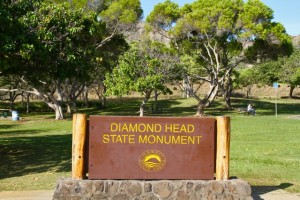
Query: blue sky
column 286, row 12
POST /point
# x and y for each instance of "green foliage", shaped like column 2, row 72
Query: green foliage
column 220, row 35
column 291, row 69
column 285, row 70
column 210, row 16
column 87, row 5
column 269, row 38
column 164, row 15
column 61, row 41
column 247, row 76
column 138, row 70
column 246, row 79
column 12, row 33
column 256, row 17
column 57, row 48
column 269, row 72
column 122, row 12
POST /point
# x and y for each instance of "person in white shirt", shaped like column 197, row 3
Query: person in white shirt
column 250, row 109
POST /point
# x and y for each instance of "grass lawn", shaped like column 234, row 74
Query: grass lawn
column 265, row 151
column 36, row 151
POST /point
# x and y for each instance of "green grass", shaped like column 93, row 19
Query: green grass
column 36, row 151
column 265, row 151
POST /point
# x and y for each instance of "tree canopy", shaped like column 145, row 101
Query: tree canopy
column 285, row 70
column 59, row 48
column 147, row 67
column 222, row 34
column 56, row 48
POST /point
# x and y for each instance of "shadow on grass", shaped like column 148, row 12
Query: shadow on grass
column 18, row 132
column 131, row 106
column 267, row 108
column 178, row 107
column 25, row 155
column 257, row 191
column 7, row 126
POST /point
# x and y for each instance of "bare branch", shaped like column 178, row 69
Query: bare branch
column 9, row 90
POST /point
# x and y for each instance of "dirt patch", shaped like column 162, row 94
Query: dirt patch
column 295, row 117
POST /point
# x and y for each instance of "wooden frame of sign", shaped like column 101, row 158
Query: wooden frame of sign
column 150, row 148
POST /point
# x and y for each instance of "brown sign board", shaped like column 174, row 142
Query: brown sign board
column 151, row 148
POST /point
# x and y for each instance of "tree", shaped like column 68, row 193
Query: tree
column 12, row 31
column 85, row 4
column 290, row 73
column 268, row 72
column 285, row 70
column 145, row 69
column 8, row 91
column 59, row 45
column 223, row 34
column 61, row 49
column 246, row 79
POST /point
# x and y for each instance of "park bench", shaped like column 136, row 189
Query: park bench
column 244, row 111
column 153, row 108
column 156, row 108
column 4, row 113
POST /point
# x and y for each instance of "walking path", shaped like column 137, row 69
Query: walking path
column 27, row 195
column 273, row 193
column 259, row 193
column 295, row 117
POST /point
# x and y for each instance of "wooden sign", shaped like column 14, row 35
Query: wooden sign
column 151, row 148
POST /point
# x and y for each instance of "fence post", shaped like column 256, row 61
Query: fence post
column 79, row 136
column 223, row 147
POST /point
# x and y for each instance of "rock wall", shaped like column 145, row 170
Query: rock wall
column 234, row 189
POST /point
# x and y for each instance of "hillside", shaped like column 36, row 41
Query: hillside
column 296, row 41
column 270, row 92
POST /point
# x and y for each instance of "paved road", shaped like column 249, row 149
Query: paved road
column 265, row 193
column 27, row 195
column 262, row 193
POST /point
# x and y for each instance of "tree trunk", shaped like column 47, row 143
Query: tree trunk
column 200, row 108
column 27, row 102
column 56, row 106
column 103, row 97
column 69, row 110
column 187, row 87
column 86, row 96
column 53, row 101
column 155, row 96
column 143, row 105
column 58, row 112
column 291, row 91
column 227, row 93
column 58, row 102
column 74, row 103
column 11, row 100
column 228, row 102
column 207, row 101
column 103, row 101
column 71, row 103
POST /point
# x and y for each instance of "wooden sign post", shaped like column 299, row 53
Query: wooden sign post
column 79, row 138
column 223, row 147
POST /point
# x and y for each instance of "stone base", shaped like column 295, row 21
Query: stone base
column 152, row 190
